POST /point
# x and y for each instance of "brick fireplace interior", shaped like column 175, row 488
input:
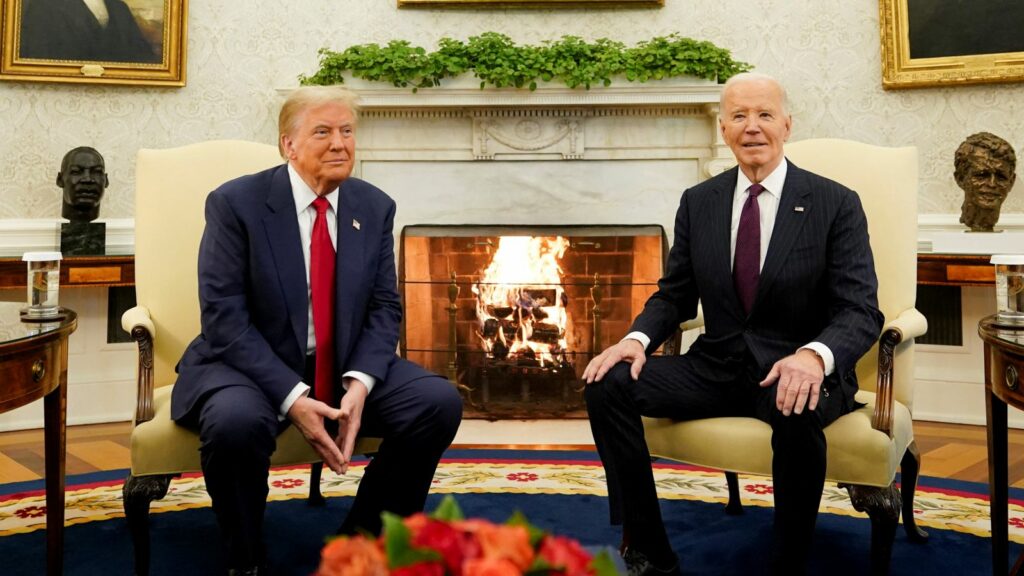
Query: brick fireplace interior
column 512, row 314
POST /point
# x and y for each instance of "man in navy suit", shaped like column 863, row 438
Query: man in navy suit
column 248, row 374
column 780, row 261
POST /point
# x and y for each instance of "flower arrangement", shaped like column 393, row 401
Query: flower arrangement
column 444, row 543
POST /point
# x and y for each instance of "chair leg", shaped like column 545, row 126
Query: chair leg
column 315, row 499
column 137, row 494
column 735, row 506
column 910, row 468
column 882, row 506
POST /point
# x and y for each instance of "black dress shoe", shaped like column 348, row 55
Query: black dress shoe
column 637, row 564
column 251, row 571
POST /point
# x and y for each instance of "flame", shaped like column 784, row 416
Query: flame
column 521, row 301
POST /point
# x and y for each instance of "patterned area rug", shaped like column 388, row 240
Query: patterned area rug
column 943, row 506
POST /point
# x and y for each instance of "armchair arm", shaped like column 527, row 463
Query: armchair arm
column 695, row 322
column 137, row 322
column 908, row 325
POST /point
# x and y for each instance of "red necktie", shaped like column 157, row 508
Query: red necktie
column 746, row 268
column 321, row 283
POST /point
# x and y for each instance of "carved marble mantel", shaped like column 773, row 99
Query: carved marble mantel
column 551, row 123
column 621, row 154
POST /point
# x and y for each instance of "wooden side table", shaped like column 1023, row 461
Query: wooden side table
column 1004, row 384
column 33, row 365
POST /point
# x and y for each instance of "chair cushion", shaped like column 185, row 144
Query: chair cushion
column 160, row 446
column 857, row 453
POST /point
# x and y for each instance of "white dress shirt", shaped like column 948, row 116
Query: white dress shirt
column 768, row 207
column 306, row 214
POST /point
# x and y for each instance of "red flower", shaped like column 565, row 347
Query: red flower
column 439, row 536
column 759, row 488
column 30, row 512
column 420, row 569
column 521, row 476
column 288, row 483
column 565, row 555
column 1017, row 522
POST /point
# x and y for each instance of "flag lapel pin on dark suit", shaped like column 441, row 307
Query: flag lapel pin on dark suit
column 355, row 224
column 798, row 209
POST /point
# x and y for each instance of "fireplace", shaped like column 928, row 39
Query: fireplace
column 512, row 314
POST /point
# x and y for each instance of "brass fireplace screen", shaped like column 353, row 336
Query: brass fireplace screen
column 512, row 314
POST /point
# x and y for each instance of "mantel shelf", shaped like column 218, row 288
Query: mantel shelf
column 465, row 92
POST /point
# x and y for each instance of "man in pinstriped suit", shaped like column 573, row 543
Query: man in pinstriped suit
column 781, row 342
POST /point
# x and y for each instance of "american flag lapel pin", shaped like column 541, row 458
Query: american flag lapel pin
column 796, row 209
column 355, row 223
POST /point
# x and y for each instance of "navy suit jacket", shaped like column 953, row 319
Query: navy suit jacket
column 254, row 296
column 817, row 281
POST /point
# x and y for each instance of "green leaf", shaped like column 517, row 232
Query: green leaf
column 398, row 546
column 448, row 510
column 603, row 565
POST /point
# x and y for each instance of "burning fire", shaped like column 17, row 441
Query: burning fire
column 521, row 304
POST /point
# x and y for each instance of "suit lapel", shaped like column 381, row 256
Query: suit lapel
column 721, row 227
column 788, row 223
column 350, row 257
column 282, row 227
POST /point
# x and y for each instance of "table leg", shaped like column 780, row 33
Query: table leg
column 997, row 481
column 54, row 412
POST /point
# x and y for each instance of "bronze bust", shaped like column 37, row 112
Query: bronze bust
column 83, row 177
column 985, row 168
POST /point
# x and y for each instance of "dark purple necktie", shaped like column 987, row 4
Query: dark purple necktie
column 746, row 267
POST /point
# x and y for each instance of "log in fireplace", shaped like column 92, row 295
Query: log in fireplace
column 512, row 314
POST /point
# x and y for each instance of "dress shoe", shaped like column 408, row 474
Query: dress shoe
column 637, row 564
column 251, row 571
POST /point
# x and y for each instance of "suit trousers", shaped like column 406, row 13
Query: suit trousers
column 416, row 418
column 696, row 386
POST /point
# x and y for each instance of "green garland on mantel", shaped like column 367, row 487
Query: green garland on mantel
column 499, row 62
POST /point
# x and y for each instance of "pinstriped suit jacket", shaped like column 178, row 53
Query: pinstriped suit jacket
column 817, row 282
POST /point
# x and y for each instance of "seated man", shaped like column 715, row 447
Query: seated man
column 297, row 287
column 780, row 260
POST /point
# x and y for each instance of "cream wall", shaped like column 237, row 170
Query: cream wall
column 827, row 53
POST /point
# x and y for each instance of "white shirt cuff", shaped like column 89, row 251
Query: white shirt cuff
column 826, row 355
column 640, row 337
column 301, row 390
column 363, row 377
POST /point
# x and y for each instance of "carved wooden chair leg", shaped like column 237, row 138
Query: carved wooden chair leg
column 882, row 505
column 735, row 506
column 137, row 494
column 315, row 497
column 910, row 468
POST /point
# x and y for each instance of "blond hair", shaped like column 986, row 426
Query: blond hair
column 306, row 97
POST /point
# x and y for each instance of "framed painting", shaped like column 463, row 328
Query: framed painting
column 132, row 42
column 951, row 42
column 531, row 3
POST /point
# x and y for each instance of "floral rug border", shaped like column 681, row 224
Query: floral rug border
column 934, row 508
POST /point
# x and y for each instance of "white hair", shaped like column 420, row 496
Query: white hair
column 744, row 77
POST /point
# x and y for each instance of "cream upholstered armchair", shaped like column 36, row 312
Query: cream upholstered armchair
column 865, row 447
column 170, row 194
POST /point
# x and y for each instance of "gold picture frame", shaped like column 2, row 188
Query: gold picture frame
column 948, row 43
column 530, row 3
column 141, row 43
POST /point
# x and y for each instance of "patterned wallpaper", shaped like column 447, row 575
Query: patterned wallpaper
column 239, row 54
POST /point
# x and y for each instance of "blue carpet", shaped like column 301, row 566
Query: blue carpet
column 708, row 541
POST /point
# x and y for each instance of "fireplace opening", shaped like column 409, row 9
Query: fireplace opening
column 512, row 314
